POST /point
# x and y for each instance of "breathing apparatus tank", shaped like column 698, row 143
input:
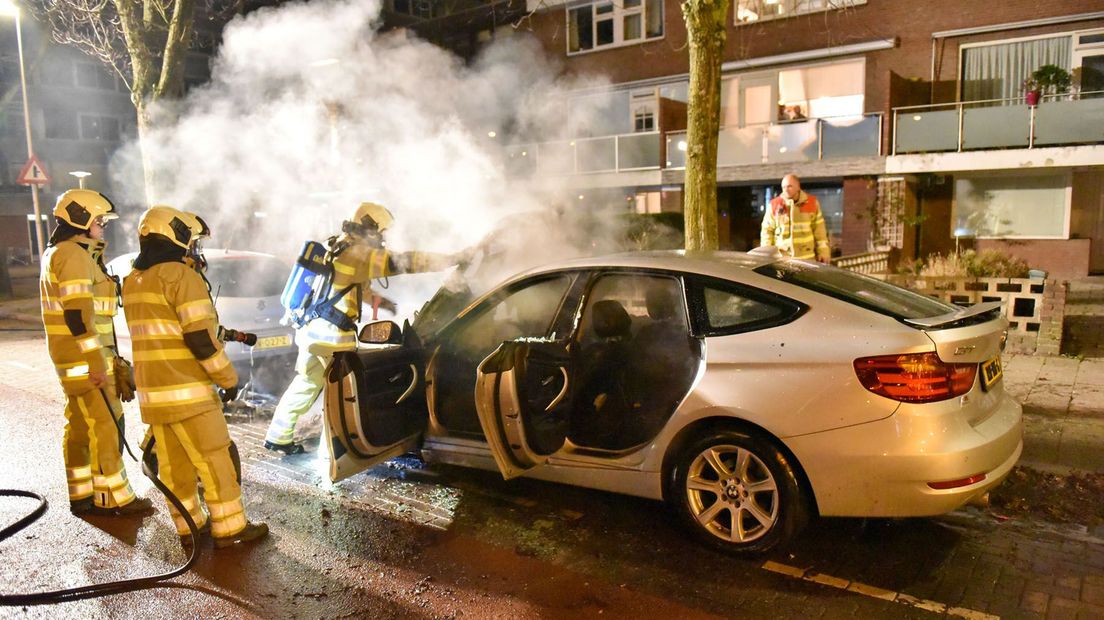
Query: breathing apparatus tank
column 311, row 264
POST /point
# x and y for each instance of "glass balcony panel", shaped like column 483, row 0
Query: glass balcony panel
column 676, row 149
column 520, row 160
column 1069, row 122
column 857, row 137
column 638, row 151
column 995, row 126
column 556, row 158
column 596, row 154
column 792, row 142
column 920, row 131
column 738, row 146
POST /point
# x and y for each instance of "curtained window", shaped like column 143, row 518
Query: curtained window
column 998, row 71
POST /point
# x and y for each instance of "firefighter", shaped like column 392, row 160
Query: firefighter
column 179, row 361
column 78, row 308
column 795, row 225
column 358, row 256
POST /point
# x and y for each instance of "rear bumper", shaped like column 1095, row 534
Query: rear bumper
column 882, row 468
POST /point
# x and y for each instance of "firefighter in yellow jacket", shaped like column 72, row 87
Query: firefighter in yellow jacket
column 358, row 256
column 795, row 225
column 78, row 308
column 178, row 362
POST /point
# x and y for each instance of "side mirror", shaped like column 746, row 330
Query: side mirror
column 380, row 332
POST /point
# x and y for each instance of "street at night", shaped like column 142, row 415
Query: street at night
column 404, row 540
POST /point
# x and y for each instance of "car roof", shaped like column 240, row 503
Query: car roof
column 715, row 263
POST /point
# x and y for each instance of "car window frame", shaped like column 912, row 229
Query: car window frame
column 791, row 309
column 596, row 274
column 464, row 317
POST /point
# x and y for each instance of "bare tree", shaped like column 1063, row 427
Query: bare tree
column 706, row 30
column 143, row 41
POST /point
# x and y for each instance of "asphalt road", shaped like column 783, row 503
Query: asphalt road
column 410, row 541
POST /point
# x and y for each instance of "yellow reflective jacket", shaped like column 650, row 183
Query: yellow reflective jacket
column 177, row 354
column 796, row 228
column 356, row 266
column 78, row 307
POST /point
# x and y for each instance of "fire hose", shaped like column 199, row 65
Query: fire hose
column 149, row 468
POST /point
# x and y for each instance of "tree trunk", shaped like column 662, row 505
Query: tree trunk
column 706, row 28
column 149, row 171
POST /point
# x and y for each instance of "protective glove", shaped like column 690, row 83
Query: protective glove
column 228, row 394
column 124, row 379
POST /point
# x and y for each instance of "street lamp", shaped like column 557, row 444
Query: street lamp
column 8, row 8
column 81, row 175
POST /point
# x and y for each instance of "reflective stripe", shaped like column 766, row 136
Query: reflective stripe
column 88, row 343
column 227, row 518
column 103, row 305
column 194, row 509
column 176, row 394
column 323, row 334
column 80, row 482
column 147, row 298
column 163, row 355
column 215, row 363
column 52, row 305
column 154, row 328
column 342, row 268
column 112, row 490
column 80, row 370
column 195, row 311
column 72, row 291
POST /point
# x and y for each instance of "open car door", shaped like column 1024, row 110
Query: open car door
column 522, row 398
column 375, row 407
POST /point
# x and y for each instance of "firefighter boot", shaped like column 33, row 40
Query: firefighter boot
column 252, row 531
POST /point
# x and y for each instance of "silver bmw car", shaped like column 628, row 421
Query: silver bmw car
column 749, row 391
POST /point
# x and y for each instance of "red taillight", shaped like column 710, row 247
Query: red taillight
column 915, row 377
column 954, row 484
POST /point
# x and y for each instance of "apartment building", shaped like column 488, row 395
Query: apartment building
column 907, row 119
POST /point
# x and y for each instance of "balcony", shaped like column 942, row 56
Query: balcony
column 811, row 140
column 998, row 124
column 631, row 152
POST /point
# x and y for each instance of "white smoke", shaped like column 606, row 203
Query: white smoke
column 310, row 111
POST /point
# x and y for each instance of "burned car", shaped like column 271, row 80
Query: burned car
column 749, row 391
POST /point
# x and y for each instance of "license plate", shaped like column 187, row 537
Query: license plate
column 273, row 342
column 991, row 372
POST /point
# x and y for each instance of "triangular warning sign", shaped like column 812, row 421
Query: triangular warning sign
column 33, row 173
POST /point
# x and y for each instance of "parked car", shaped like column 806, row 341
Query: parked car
column 246, row 287
column 749, row 391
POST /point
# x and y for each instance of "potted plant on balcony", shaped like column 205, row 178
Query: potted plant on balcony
column 1048, row 79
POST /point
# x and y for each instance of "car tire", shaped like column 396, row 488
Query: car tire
column 738, row 492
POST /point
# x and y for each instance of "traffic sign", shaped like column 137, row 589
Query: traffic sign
column 33, row 173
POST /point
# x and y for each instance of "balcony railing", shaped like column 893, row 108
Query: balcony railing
column 999, row 123
column 620, row 153
column 810, row 140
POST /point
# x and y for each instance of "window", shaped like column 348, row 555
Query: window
column 748, row 11
column 522, row 313
column 822, row 91
column 60, row 124
column 1023, row 206
column 601, row 24
column 857, row 289
column 99, row 128
column 645, row 298
column 997, row 70
column 728, row 308
column 91, row 75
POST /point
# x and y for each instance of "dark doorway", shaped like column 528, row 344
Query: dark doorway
column 738, row 218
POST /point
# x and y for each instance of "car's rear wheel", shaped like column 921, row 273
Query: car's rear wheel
column 738, row 492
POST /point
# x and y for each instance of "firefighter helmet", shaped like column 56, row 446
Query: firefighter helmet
column 179, row 227
column 80, row 207
column 372, row 215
